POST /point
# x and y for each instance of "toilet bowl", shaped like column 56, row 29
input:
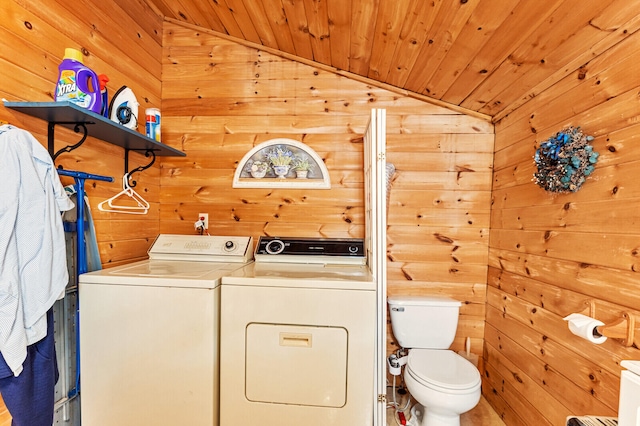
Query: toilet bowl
column 444, row 383
column 439, row 379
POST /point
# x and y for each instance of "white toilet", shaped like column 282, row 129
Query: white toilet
column 443, row 382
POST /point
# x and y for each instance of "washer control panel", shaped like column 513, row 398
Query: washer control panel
column 311, row 250
column 201, row 248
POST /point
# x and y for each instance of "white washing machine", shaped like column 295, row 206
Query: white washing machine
column 298, row 330
column 149, row 334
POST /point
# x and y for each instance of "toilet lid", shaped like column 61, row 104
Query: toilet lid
column 442, row 368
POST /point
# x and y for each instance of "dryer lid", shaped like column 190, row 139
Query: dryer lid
column 442, row 368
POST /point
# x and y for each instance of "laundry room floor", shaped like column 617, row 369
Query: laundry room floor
column 481, row 415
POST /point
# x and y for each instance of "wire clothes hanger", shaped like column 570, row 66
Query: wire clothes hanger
column 116, row 204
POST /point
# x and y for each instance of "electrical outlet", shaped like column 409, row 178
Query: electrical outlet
column 204, row 217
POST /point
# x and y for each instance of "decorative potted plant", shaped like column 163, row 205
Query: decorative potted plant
column 280, row 159
column 258, row 169
column 302, row 166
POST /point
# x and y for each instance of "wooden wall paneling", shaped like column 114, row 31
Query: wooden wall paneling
column 438, row 235
column 579, row 390
column 474, row 143
column 435, row 180
column 446, row 217
column 243, row 105
column 514, row 393
column 597, row 81
column 492, row 394
column 355, row 77
column 594, row 282
column 462, row 253
column 615, row 111
column 549, row 253
column 442, row 199
column 470, row 293
column 438, row 272
column 464, row 162
column 600, row 248
column 221, row 195
column 604, row 364
column 114, row 253
column 244, row 96
column 579, row 216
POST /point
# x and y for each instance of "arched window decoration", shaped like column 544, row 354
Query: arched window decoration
column 282, row 163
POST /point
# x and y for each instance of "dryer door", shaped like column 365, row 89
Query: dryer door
column 302, row 365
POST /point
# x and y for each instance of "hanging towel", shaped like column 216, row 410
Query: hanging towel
column 94, row 262
column 33, row 266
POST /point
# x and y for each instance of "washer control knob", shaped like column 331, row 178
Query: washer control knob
column 354, row 249
column 229, row 246
column 274, row 247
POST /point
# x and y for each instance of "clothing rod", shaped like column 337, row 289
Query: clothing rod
column 83, row 175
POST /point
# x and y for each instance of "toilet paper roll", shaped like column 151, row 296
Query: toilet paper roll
column 585, row 327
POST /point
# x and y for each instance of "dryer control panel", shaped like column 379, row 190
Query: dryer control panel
column 311, row 250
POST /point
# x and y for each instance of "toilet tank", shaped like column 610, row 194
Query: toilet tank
column 427, row 322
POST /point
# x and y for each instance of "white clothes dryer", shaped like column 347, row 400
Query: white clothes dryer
column 149, row 334
column 298, row 330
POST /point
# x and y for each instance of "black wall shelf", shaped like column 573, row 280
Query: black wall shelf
column 74, row 117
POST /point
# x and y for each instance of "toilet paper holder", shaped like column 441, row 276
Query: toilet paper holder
column 623, row 329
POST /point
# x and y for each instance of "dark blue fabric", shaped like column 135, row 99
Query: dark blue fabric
column 30, row 396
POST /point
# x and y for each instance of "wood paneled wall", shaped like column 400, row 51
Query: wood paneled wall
column 221, row 98
column 120, row 39
column 549, row 253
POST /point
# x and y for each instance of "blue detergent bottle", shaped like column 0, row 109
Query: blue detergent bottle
column 78, row 83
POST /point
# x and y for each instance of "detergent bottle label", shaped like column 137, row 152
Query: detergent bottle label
column 68, row 89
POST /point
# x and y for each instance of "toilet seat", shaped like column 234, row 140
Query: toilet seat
column 443, row 370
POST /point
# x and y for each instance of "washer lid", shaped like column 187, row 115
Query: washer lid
column 442, row 368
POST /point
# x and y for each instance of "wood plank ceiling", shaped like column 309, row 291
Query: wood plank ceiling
column 488, row 56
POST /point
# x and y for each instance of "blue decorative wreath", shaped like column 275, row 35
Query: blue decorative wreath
column 564, row 161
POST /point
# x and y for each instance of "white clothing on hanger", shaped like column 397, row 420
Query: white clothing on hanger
column 33, row 258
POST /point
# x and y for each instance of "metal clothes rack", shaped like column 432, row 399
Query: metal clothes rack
column 81, row 253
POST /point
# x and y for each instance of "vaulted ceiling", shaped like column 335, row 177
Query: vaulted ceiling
column 488, row 56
